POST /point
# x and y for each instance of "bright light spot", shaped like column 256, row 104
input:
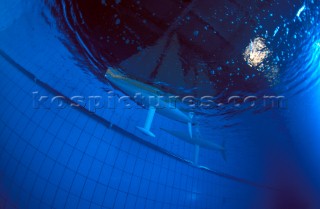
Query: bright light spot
column 256, row 53
column 276, row 31
column 301, row 10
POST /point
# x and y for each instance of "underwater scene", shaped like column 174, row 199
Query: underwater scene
column 173, row 104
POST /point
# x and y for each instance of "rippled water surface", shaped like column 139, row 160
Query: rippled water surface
column 199, row 48
column 240, row 53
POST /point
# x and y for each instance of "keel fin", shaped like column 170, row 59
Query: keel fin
column 148, row 122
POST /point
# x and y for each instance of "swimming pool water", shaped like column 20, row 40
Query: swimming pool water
column 77, row 155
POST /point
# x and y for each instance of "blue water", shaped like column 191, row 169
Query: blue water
column 94, row 157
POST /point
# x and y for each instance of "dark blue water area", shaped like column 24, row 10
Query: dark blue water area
column 76, row 155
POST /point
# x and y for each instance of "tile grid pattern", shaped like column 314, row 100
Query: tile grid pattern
column 49, row 160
